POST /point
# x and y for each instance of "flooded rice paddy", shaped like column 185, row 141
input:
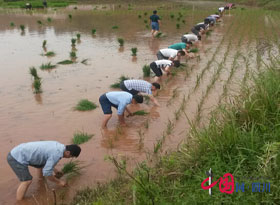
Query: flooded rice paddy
column 237, row 46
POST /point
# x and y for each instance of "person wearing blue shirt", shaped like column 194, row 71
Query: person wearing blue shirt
column 43, row 155
column 118, row 100
column 155, row 21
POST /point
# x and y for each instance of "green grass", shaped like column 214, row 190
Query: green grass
column 193, row 50
column 134, row 51
column 47, row 66
column 93, row 31
column 65, row 62
column 141, row 112
column 37, row 85
column 81, row 137
column 117, row 84
column 115, row 27
column 121, row 41
column 50, row 54
column 33, row 72
column 85, row 105
column 44, row 43
column 146, row 71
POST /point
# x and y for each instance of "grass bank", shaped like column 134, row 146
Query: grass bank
column 35, row 3
column 242, row 138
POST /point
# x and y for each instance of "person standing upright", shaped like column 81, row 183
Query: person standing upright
column 155, row 21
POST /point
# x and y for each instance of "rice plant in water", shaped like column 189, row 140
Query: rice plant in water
column 12, row 24
column 139, row 16
column 78, row 36
column 50, row 54
column 177, row 25
column 183, row 21
column 145, row 14
column 117, row 84
column 115, row 27
column 73, row 41
column 47, row 66
column 158, row 35
column 33, row 72
column 65, row 62
column 81, row 137
column 93, row 31
column 44, row 43
column 134, row 51
column 84, row 61
column 37, row 85
column 71, row 168
column 141, row 112
column 121, row 41
column 85, row 105
column 147, row 26
column 193, row 50
column 73, row 54
column 146, row 71
column 69, row 16
column 22, row 28
column 49, row 19
column 39, row 22
column 172, row 16
column 145, row 21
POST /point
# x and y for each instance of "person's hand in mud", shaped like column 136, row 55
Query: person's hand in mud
column 129, row 112
column 191, row 55
column 58, row 174
column 62, row 183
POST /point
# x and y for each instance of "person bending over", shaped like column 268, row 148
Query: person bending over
column 165, row 65
column 169, row 54
column 136, row 86
column 183, row 46
column 118, row 100
column 43, row 155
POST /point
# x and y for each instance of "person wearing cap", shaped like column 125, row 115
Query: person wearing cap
column 118, row 100
column 136, row 86
column 43, row 155
column 190, row 38
column 169, row 54
column 165, row 65
column 183, row 46
column 154, row 21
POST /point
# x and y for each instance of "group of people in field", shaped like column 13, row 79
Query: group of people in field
column 44, row 155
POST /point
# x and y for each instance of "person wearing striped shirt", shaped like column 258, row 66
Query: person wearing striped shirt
column 136, row 86
column 165, row 65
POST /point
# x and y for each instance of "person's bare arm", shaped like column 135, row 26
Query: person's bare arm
column 154, row 100
column 121, row 119
column 58, row 181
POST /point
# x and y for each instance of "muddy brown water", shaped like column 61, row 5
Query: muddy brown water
column 50, row 116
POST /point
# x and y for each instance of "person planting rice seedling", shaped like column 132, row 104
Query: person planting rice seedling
column 169, row 54
column 221, row 11
column 210, row 20
column 199, row 29
column 165, row 65
column 216, row 16
column 183, row 46
column 155, row 22
column 43, row 155
column 118, row 100
column 190, row 38
column 136, row 86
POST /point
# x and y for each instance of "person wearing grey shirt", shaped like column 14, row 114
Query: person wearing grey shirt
column 43, row 155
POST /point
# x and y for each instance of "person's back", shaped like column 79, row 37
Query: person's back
column 154, row 18
column 169, row 52
column 37, row 153
column 190, row 37
column 119, row 97
column 178, row 46
column 139, row 85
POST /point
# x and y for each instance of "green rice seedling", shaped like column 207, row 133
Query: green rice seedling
column 50, row 54
column 141, row 112
column 78, row 36
column 12, row 24
column 178, row 19
column 47, row 66
column 193, row 50
column 146, row 71
column 117, row 84
column 93, row 31
column 22, row 27
column 33, row 72
column 49, row 19
column 81, row 137
column 37, row 85
column 134, row 51
column 115, row 27
column 180, row 14
column 139, row 16
column 71, row 168
column 84, row 61
column 121, row 41
column 147, row 26
column 39, row 22
column 65, row 62
column 69, row 16
column 157, row 146
column 158, row 35
column 172, row 16
column 145, row 21
column 177, row 25
column 145, row 14
column 183, row 21
column 73, row 41
column 44, row 44
column 169, row 127
column 75, row 8
column 73, row 54
column 85, row 105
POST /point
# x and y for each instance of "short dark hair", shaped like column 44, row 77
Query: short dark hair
column 74, row 150
column 155, row 11
column 176, row 63
column 199, row 37
column 156, row 85
column 138, row 98
column 182, row 53
column 189, row 42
